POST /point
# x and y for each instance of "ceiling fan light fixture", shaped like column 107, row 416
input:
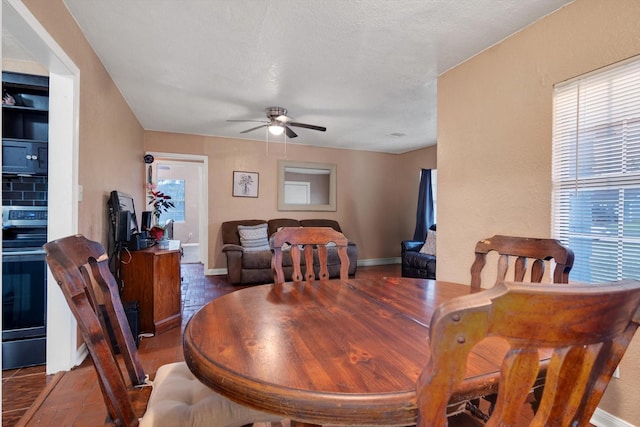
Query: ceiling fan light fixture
column 278, row 123
column 276, row 129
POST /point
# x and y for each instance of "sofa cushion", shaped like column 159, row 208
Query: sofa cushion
column 229, row 230
column 276, row 224
column 253, row 238
column 257, row 260
column 321, row 223
column 415, row 264
column 332, row 256
column 418, row 260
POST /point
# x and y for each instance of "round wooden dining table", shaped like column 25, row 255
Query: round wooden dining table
column 339, row 352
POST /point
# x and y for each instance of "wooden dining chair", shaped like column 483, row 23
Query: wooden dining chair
column 317, row 243
column 586, row 327
column 514, row 254
column 80, row 267
column 522, row 250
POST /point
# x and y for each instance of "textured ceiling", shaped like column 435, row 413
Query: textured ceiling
column 365, row 69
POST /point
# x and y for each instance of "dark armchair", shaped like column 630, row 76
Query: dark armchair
column 415, row 263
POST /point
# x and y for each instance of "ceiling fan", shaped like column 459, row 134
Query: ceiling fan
column 278, row 122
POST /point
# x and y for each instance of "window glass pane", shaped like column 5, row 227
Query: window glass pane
column 600, row 151
column 630, row 265
column 595, row 259
column 631, row 225
column 175, row 189
column 594, row 212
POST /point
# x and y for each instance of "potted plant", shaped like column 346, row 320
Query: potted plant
column 159, row 203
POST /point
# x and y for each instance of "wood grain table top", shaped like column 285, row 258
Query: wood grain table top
column 333, row 352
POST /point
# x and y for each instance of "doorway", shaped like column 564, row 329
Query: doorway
column 188, row 173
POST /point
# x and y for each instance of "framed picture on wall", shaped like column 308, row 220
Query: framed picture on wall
column 245, row 184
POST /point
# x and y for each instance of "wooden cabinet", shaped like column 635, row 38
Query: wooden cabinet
column 152, row 277
column 25, row 123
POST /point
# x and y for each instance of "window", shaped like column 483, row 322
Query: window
column 596, row 172
column 175, row 189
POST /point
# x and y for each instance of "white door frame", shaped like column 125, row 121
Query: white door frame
column 64, row 102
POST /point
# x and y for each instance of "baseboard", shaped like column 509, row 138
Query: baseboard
column 378, row 261
column 81, row 354
column 361, row 263
column 604, row 419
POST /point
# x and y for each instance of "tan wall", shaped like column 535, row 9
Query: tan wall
column 376, row 197
column 494, row 141
column 111, row 138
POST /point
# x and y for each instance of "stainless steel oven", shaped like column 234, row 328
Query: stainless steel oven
column 24, row 286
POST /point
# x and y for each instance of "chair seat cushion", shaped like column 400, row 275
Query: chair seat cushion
column 180, row 399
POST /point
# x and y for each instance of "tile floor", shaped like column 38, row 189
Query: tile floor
column 74, row 399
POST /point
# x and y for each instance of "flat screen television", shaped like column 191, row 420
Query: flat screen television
column 123, row 216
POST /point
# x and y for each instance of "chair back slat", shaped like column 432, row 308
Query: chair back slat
column 78, row 264
column 522, row 249
column 309, row 238
column 587, row 328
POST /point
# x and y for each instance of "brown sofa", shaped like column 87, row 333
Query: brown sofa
column 255, row 267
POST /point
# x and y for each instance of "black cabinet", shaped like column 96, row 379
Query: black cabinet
column 24, row 157
column 25, row 123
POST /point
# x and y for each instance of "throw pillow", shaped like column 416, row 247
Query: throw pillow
column 253, row 238
column 429, row 246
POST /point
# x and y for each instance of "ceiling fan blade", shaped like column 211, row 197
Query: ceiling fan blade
column 290, row 132
column 304, row 125
column 248, row 121
column 257, row 127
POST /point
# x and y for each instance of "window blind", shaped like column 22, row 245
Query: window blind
column 596, row 172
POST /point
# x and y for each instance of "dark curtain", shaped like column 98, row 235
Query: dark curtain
column 424, row 217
